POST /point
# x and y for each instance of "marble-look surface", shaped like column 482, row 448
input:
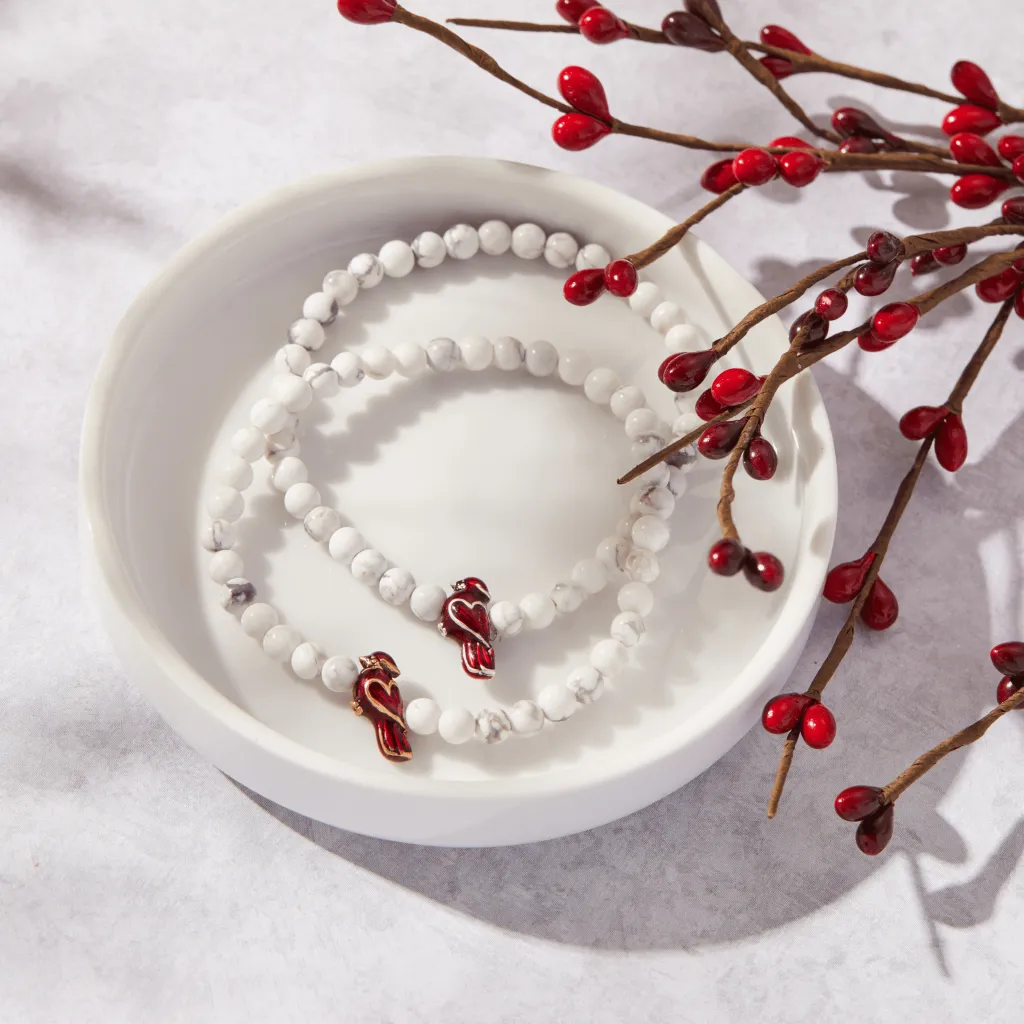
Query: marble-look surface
column 137, row 883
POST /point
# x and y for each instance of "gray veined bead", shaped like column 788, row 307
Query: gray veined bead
column 238, row 593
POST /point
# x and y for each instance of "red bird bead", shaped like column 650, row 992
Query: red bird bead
column 620, row 278
column 875, row 831
column 367, row 12
column 1013, row 210
column 681, row 28
column 950, row 255
column 465, row 620
column 1008, row 658
column 376, row 697
column 999, row 287
column 858, row 802
column 778, row 67
column 951, row 443
column 720, row 438
column 776, row 35
column 719, row 177
column 599, row 25
column 881, row 609
column 895, row 321
column 818, row 727
column 1018, row 167
column 1007, row 687
column 754, row 167
column 791, row 142
column 874, row 279
column 869, row 343
column 969, row 117
column 843, row 582
column 764, row 571
column 921, row 421
column 851, row 121
column 725, row 557
column 923, row 263
column 684, row 371
column 800, row 169
column 814, row 326
column 1011, row 146
column 760, row 460
column 706, row 407
column 734, row 386
column 968, row 148
column 831, row 304
column 784, row 712
column 858, row 144
column 969, row 80
column 883, row 247
column 973, row 191
column 584, row 287
column 578, row 131
column 583, row 90
column 573, row 10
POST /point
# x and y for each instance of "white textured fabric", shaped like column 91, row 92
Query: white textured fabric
column 139, row 884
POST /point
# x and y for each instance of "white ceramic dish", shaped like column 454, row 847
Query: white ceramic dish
column 531, row 492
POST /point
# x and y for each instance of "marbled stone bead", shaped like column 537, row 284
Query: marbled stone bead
column 225, row 565
column 645, row 299
column 225, row 503
column 677, row 483
column 456, row 725
column 294, row 393
column 651, row 533
column 218, row 535
column 641, row 424
column 291, row 358
column 426, row 602
column 636, row 597
column 339, row 673
column 378, row 362
column 528, row 241
column 307, row 332
column 613, row 551
column 367, row 269
column 349, row 368
column 627, row 628
column 410, row 358
column 590, row 574
column 507, row 618
column 341, row 286
column 235, row 472
column 573, row 366
column 345, row 544
column 280, row 641
column 321, row 523
column 476, row 352
column 538, row 610
column 280, row 445
column 509, row 353
column 642, row 566
column 396, row 586
column 653, row 500
column 686, row 423
column 527, row 717
column 247, row 443
column 541, row 358
column 422, row 716
column 238, row 593
column 609, row 657
column 461, row 241
column 600, row 385
column 495, row 237
column 492, row 726
column 666, row 315
column 626, row 400
column 586, row 684
column 300, row 499
column 397, row 258
column 268, row 416
column 429, row 249
column 257, row 619
column 288, row 472
column 368, row 566
column 684, row 458
column 322, row 379
column 566, row 597
column 307, row 661
column 557, row 702
column 442, row 354
column 683, row 338
column 320, row 308
column 593, row 257
column 560, row 250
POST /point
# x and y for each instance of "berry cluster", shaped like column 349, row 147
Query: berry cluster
column 789, row 711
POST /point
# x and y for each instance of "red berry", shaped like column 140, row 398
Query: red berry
column 843, row 582
column 779, row 67
column 1011, row 146
column 831, row 304
column 869, row 343
column 818, row 727
column 881, row 609
column 790, row 142
column 1018, row 304
column 720, row 438
column 968, row 148
column 1008, row 658
column 1018, row 167
column 754, row 167
column 763, row 570
column 874, row 832
column 813, row 325
column 599, row 25
column 921, row 421
column 682, row 28
column 734, row 386
column 725, row 557
column 1013, row 210
column 999, row 287
column 367, row 12
column 784, row 712
column 583, row 90
column 894, row 321
column 951, row 443
column 970, row 118
column 760, row 460
column 578, row 131
column 883, row 247
column 923, row 263
column 620, row 278
column 584, row 287
column 970, row 81
column 950, row 255
column 973, row 191
column 573, row 10
column 800, row 169
column 1007, row 687
column 857, row 802
column 849, row 122
column 858, row 144
column 874, row 278
column 776, row 35
column 718, row 177
column 683, row 371
column 706, row 407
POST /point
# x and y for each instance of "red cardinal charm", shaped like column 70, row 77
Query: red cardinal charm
column 464, row 619
column 375, row 695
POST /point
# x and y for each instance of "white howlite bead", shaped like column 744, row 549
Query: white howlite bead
column 666, row 315
column 366, row 269
column 627, row 628
column 609, row 657
column 686, row 423
column 476, row 352
column 683, row 338
column 426, row 602
column 677, row 481
column 590, row 574
column 378, row 362
column 268, row 416
column 321, row 523
column 225, row 503
column 291, row 358
column 292, row 392
column 288, row 472
column 396, row 586
column 641, row 424
column 429, row 249
column 541, row 358
column 280, row 445
column 626, row 400
column 442, row 354
column 507, row 618
column 308, row 333
column 642, row 566
column 685, row 458
column 625, row 527
column 397, row 258
column 341, row 286
column 573, row 366
column 461, row 242
column 612, row 551
column 653, row 500
column 495, row 237
column 651, row 533
column 538, row 610
column 307, row 661
column 557, row 702
column 566, row 597
column 237, row 593
column 322, row 380
column 300, row 499
column 456, row 725
column 527, row 717
column 636, row 597
column 656, row 476
column 339, row 673
column 645, row 299
column 593, row 257
column 225, row 565
column 218, row 535
column 600, row 385
column 560, row 250
column 422, row 715
column 247, row 443
column 410, row 358
column 492, row 726
column 349, row 368
column 345, row 544
column 528, row 241
column 509, row 353
column 279, row 642
column 369, row 565
column 257, row 619
column 235, row 472
column 586, row 684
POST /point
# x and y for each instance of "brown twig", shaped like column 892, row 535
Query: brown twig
column 638, row 32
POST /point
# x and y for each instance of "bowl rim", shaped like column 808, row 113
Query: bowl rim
column 110, row 572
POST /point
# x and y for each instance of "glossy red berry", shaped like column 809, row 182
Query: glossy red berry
column 776, row 35
column 683, row 371
column 999, row 287
column 973, row 191
column 790, row 142
column 725, row 557
column 874, row 278
column 682, row 28
column 706, row 407
column 858, row 144
column 760, row 460
column 583, row 90
column 764, row 571
column 950, row 255
column 1011, row 146
column 881, row 609
column 843, row 582
column 818, row 727
column 599, row 25
column 883, row 247
column 875, row 831
column 734, row 386
column 584, row 287
column 1018, row 304
column 923, row 263
column 851, row 121
column 831, row 304
column 1018, row 167
column 1008, row 658
column 578, row 131
column 367, row 12
column 754, row 167
column 573, row 10
column 720, row 438
column 895, row 321
column 1013, row 210
column 800, row 169
column 969, row 80
column 718, row 177
column 869, row 343
column 778, row 67
column 969, row 117
column 921, row 421
column 813, row 325
column 857, row 802
column 951, row 443
column 784, row 712
column 968, row 148
column 620, row 278
column 1007, row 687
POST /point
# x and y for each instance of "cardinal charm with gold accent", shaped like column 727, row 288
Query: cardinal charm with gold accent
column 375, row 695
column 465, row 619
